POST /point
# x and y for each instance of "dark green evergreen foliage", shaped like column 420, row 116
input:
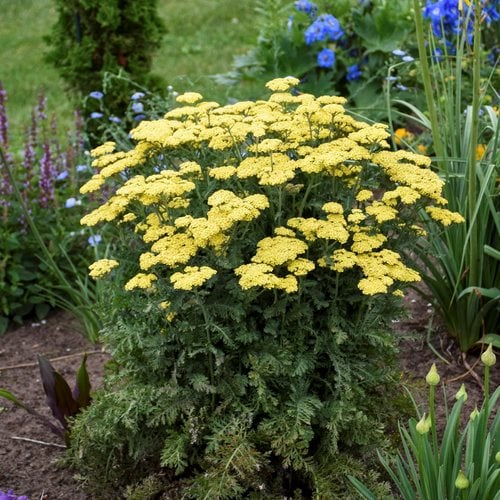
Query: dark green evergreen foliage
column 284, row 397
column 94, row 37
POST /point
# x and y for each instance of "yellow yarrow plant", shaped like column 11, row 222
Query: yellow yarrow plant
column 273, row 190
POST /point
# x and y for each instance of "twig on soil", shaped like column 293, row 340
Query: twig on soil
column 470, row 370
column 36, row 441
column 60, row 358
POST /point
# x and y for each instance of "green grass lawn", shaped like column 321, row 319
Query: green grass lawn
column 203, row 36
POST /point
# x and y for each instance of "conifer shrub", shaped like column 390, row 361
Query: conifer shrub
column 93, row 37
column 263, row 257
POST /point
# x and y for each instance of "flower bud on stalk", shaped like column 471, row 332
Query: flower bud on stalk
column 488, row 357
column 423, row 425
column 462, row 393
column 432, row 377
column 461, row 482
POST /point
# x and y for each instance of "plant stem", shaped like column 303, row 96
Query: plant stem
column 426, row 76
column 473, row 261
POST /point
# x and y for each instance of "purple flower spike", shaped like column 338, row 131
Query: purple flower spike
column 46, row 181
column 4, row 122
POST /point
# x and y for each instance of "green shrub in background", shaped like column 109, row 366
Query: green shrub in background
column 94, row 37
column 249, row 307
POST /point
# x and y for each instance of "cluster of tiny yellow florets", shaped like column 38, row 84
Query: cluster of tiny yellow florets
column 224, row 168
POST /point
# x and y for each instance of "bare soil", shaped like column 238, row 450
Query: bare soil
column 29, row 453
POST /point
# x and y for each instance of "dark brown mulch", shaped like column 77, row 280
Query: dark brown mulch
column 31, row 468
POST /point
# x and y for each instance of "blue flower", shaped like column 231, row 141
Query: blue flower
column 114, row 119
column 399, row 52
column 81, row 168
column 353, row 73
column 96, row 94
column 326, row 58
column 401, row 87
column 137, row 95
column 62, row 175
column 96, row 115
column 70, row 203
column 94, row 240
column 137, row 107
column 325, row 27
column 138, row 118
column 306, row 6
column 408, row 59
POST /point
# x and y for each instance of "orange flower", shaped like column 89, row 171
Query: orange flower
column 481, row 148
column 400, row 134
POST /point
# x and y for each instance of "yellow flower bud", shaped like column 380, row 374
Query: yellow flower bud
column 461, row 482
column 423, row 425
column 488, row 357
column 432, row 377
column 462, row 393
column 474, row 414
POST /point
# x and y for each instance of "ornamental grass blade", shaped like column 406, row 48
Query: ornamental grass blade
column 362, row 489
column 59, row 397
column 8, row 395
column 81, row 391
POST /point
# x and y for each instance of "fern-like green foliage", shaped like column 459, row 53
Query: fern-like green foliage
column 248, row 381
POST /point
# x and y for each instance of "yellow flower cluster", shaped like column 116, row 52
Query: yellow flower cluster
column 102, row 267
column 191, row 277
column 279, row 185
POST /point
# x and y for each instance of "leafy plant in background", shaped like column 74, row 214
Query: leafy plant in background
column 461, row 265
column 63, row 403
column 260, row 265
column 94, row 37
column 39, row 228
column 466, row 465
column 342, row 47
column 102, row 123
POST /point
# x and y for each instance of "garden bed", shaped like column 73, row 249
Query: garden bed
column 32, row 468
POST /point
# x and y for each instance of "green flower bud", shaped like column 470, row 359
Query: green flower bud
column 461, row 482
column 497, row 457
column 488, row 357
column 432, row 377
column 474, row 414
column 462, row 393
column 423, row 425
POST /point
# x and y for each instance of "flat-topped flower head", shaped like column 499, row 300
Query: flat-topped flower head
column 282, row 84
column 189, row 98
